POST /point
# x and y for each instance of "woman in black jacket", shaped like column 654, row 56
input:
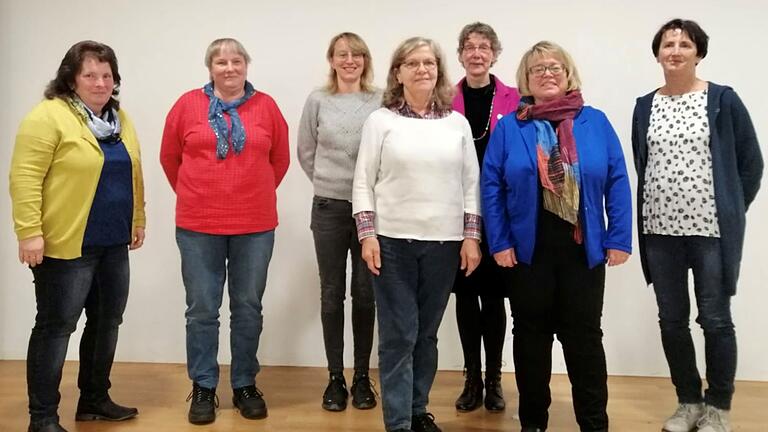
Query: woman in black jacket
column 699, row 167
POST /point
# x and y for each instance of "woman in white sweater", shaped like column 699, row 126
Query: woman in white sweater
column 415, row 201
column 329, row 137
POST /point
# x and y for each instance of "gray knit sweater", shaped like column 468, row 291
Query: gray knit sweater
column 329, row 138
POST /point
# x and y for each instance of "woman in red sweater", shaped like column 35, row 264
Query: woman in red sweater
column 225, row 151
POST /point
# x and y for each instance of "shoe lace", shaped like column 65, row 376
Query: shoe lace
column 711, row 417
column 684, row 411
column 425, row 420
column 365, row 380
column 250, row 392
column 202, row 394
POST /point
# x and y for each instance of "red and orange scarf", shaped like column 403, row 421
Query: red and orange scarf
column 556, row 154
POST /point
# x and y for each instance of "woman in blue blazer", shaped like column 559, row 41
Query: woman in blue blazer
column 547, row 173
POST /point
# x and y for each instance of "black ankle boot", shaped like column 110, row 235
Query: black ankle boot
column 472, row 396
column 46, row 427
column 103, row 409
column 494, row 396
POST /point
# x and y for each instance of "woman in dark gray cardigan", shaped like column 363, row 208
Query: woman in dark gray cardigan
column 699, row 167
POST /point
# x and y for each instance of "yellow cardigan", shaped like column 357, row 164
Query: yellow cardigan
column 55, row 170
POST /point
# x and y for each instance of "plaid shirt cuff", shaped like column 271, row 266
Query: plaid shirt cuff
column 473, row 226
column 365, row 227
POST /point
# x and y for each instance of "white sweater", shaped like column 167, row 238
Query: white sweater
column 419, row 176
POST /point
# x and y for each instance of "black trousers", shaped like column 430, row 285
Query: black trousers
column 558, row 294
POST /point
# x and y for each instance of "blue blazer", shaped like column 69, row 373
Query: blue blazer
column 510, row 187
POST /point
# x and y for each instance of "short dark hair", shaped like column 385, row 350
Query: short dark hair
column 483, row 30
column 691, row 28
column 63, row 86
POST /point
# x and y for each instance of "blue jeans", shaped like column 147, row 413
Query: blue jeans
column 335, row 234
column 206, row 261
column 669, row 258
column 411, row 295
column 97, row 282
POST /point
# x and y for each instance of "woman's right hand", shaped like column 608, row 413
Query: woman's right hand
column 506, row 258
column 31, row 250
column 372, row 254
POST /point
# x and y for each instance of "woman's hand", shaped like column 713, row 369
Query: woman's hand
column 506, row 258
column 470, row 255
column 372, row 254
column 31, row 250
column 138, row 239
column 616, row 257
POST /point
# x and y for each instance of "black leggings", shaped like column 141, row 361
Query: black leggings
column 481, row 318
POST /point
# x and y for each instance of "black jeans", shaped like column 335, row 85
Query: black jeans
column 335, row 234
column 97, row 282
column 559, row 294
column 669, row 259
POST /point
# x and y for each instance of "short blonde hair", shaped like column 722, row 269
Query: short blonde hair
column 358, row 47
column 443, row 93
column 218, row 45
column 543, row 49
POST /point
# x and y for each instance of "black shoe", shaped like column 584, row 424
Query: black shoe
column 250, row 401
column 335, row 396
column 531, row 429
column 104, row 409
column 424, row 423
column 494, row 396
column 202, row 410
column 47, row 427
column 363, row 393
column 472, row 396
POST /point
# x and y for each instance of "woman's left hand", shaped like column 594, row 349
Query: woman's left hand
column 138, row 239
column 616, row 257
column 470, row 255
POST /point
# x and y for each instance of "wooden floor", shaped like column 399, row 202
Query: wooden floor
column 293, row 398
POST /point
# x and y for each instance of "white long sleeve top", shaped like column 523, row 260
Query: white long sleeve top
column 419, row 176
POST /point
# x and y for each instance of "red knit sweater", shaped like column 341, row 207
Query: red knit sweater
column 231, row 196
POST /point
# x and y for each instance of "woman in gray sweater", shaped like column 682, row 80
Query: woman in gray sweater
column 329, row 137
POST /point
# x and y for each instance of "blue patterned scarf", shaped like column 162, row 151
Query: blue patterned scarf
column 218, row 123
column 103, row 128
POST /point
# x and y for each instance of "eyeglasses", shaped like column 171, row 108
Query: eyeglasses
column 413, row 65
column 343, row 55
column 539, row 70
column 470, row 49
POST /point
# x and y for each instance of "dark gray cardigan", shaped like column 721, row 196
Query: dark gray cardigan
column 737, row 166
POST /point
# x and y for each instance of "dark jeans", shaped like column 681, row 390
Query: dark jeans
column 97, row 282
column 335, row 234
column 207, row 260
column 669, row 259
column 559, row 294
column 481, row 319
column 411, row 295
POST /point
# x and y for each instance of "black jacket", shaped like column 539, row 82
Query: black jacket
column 737, row 166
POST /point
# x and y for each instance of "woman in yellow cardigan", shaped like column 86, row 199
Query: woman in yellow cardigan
column 78, row 206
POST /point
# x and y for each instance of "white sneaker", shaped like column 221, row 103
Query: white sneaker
column 685, row 418
column 714, row 420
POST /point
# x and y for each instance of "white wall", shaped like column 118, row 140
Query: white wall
column 160, row 47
